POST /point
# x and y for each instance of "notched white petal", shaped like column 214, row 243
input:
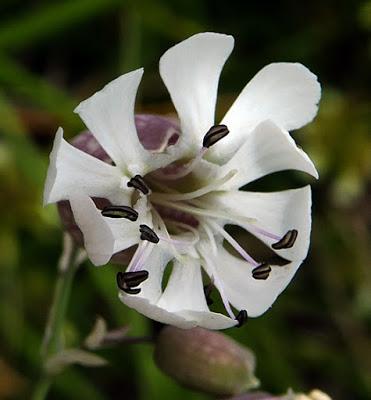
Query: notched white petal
column 190, row 71
column 125, row 232
column 266, row 149
column 99, row 240
column 184, row 290
column 71, row 171
column 145, row 307
column 209, row 320
column 274, row 212
column 242, row 290
column 103, row 236
column 109, row 115
column 182, row 303
column 286, row 93
column 186, row 319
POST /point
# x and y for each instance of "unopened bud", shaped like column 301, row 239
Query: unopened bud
column 313, row 395
column 256, row 396
column 205, row 360
column 290, row 395
column 318, row 395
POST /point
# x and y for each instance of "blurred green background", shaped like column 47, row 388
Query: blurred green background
column 55, row 53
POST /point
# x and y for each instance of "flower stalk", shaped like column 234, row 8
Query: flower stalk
column 52, row 343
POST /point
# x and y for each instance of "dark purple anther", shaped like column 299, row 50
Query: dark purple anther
column 261, row 272
column 146, row 233
column 242, row 318
column 287, row 241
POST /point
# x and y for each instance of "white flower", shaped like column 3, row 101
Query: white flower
column 176, row 211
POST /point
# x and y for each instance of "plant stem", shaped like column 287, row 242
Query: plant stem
column 42, row 388
column 53, row 339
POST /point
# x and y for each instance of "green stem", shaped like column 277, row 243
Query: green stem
column 53, row 338
column 42, row 388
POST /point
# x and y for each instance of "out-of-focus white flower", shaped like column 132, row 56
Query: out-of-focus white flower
column 175, row 203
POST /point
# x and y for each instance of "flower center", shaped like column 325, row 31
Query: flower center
column 180, row 217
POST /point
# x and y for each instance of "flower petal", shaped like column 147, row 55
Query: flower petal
column 150, row 310
column 127, row 233
column 286, row 93
column 266, row 149
column 275, row 212
column 190, row 71
column 109, row 115
column 98, row 237
column 180, row 319
column 71, row 171
column 103, row 236
column 208, row 319
column 183, row 303
column 242, row 290
column 184, row 290
column 151, row 289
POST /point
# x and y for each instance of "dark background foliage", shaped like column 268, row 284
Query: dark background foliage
column 55, row 53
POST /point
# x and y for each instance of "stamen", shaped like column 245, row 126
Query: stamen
column 146, row 233
column 137, row 255
column 218, row 284
column 163, row 229
column 256, row 230
column 133, row 279
column 140, row 257
column 241, row 318
column 190, row 229
column 122, row 284
column 176, row 172
column 223, row 297
column 207, row 291
column 131, row 291
column 199, row 211
column 261, row 272
column 176, row 241
column 214, row 134
column 137, row 182
column 287, row 241
column 197, row 193
column 120, row 212
column 284, row 242
column 235, row 245
column 173, row 171
column 210, row 236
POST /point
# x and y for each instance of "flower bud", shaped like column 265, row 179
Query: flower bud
column 290, row 395
column 256, row 396
column 155, row 134
column 313, row 395
column 205, row 360
column 318, row 395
